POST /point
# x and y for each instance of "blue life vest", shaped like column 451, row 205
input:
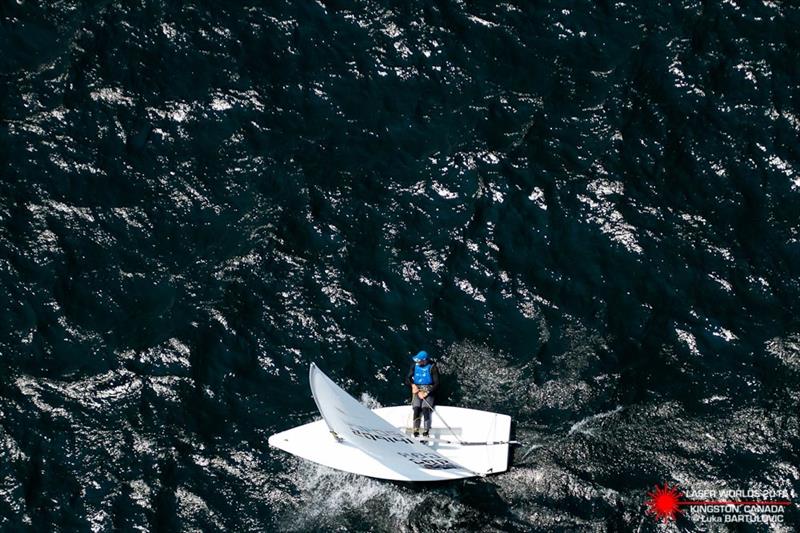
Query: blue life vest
column 422, row 374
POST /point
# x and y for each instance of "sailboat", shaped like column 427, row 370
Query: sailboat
column 378, row 443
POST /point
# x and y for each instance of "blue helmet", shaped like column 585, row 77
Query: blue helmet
column 421, row 356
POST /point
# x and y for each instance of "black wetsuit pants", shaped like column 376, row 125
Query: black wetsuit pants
column 422, row 411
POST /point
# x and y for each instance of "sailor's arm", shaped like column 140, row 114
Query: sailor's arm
column 435, row 378
column 410, row 381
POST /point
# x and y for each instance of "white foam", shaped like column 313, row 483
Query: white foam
column 482, row 22
column 689, row 340
column 328, row 496
column 787, row 350
column 582, row 425
column 606, row 216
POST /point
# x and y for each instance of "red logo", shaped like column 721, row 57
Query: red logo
column 664, row 502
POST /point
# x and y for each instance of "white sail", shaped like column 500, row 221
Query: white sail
column 359, row 427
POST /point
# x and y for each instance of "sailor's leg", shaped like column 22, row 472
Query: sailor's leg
column 416, row 405
column 427, row 409
column 417, row 416
column 426, row 417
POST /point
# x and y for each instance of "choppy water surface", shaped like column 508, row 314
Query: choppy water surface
column 589, row 212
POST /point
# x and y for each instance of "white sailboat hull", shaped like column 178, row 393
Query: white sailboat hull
column 470, row 445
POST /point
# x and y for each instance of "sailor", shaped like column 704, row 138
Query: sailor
column 423, row 377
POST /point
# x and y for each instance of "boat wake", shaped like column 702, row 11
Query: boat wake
column 329, row 499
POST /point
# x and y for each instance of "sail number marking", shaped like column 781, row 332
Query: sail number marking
column 430, row 461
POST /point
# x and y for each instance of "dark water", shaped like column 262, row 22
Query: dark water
column 589, row 212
